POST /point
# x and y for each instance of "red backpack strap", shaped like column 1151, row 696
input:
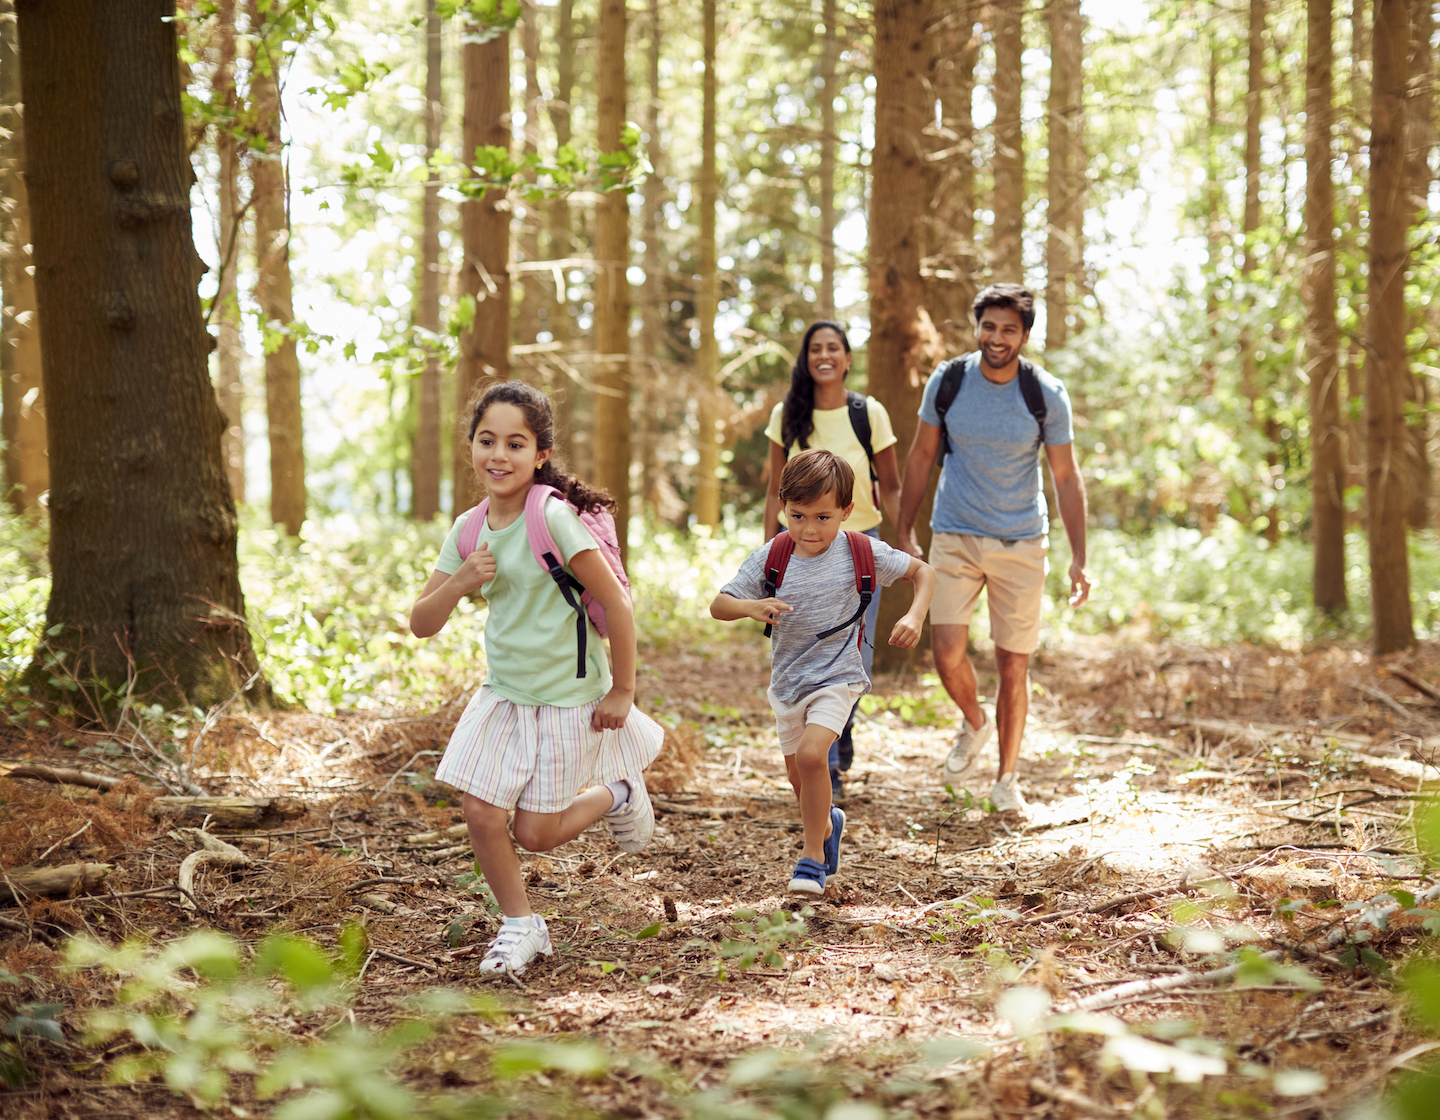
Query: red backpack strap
column 469, row 537
column 862, row 555
column 782, row 547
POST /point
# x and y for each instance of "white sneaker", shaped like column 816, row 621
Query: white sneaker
column 633, row 823
column 964, row 758
column 1005, row 796
column 518, row 943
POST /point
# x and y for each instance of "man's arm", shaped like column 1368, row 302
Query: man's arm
column 918, row 462
column 1070, row 497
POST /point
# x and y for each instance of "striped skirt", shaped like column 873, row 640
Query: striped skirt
column 537, row 757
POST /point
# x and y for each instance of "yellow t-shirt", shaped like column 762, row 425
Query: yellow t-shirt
column 834, row 433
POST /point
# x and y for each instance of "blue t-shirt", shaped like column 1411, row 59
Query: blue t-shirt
column 990, row 483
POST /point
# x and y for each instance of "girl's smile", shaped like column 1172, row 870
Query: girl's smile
column 505, row 454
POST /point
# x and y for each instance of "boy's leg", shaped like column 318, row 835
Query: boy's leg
column 540, row 832
column 489, row 828
column 809, row 775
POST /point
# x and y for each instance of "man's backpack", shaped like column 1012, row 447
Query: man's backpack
column 601, row 525
column 857, row 410
column 862, row 555
column 954, row 373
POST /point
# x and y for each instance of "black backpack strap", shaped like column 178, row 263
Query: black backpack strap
column 782, row 546
column 858, row 410
column 951, row 375
column 862, row 555
column 569, row 585
column 1033, row 394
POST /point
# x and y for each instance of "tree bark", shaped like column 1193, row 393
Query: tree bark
column 229, row 351
column 707, row 299
column 652, row 310
column 829, row 56
column 1387, row 370
column 949, row 248
column 145, row 583
column 22, row 390
column 571, row 436
column 273, row 291
column 425, row 460
column 1214, row 232
column 612, row 288
column 1007, row 250
column 1322, row 336
column 903, row 342
column 1063, row 110
column 1356, row 132
column 1420, row 124
column 485, row 234
column 532, row 285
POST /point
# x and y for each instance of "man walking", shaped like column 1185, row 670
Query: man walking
column 989, row 413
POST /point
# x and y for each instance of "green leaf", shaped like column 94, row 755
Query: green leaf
column 648, row 931
column 354, row 946
column 582, row 1058
column 299, row 961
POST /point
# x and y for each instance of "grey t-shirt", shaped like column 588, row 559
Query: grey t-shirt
column 990, row 483
column 822, row 591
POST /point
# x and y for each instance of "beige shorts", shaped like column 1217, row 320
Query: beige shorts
column 1013, row 575
column 829, row 707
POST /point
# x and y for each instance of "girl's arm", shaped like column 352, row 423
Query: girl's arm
column 441, row 592
column 906, row 633
column 594, row 571
column 772, row 489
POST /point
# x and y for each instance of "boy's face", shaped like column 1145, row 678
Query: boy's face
column 814, row 525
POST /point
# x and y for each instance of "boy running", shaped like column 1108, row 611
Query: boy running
column 817, row 674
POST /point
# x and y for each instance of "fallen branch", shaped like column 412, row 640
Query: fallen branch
column 61, row 880
column 1072, row 1098
column 213, row 851
column 226, row 812
column 1420, row 686
column 57, row 775
column 716, row 814
column 1138, row 989
column 437, row 834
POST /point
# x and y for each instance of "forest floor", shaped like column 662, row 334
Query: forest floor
column 1187, row 803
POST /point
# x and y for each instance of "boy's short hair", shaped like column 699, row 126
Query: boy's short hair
column 813, row 473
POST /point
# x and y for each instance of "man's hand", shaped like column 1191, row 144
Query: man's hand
column 1079, row 584
column 906, row 633
column 909, row 543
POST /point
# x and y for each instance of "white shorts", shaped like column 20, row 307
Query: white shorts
column 537, row 757
column 829, row 707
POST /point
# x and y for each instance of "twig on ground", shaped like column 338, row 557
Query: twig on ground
column 1413, row 681
column 58, row 843
column 398, row 959
column 1139, row 989
column 1073, row 1099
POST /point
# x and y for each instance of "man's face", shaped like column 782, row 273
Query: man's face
column 1001, row 332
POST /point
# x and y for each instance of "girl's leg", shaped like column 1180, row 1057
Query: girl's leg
column 489, row 829
column 540, row 832
column 809, row 773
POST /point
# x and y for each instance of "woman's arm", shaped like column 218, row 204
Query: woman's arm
column 887, row 467
column 772, row 489
column 594, row 571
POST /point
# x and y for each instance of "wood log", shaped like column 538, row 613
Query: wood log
column 60, row 880
column 226, row 812
column 1397, row 773
column 437, row 834
column 58, row 775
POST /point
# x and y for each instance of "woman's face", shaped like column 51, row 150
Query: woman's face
column 827, row 358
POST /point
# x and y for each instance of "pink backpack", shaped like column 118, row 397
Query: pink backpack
column 601, row 525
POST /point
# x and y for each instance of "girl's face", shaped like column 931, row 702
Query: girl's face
column 827, row 358
column 504, row 452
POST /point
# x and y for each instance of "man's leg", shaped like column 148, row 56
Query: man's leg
column 952, row 663
column 1012, row 705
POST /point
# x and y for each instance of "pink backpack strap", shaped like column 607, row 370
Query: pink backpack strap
column 469, row 537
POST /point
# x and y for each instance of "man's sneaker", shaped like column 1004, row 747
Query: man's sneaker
column 964, row 759
column 1005, row 796
column 837, row 787
column 832, row 843
column 809, row 877
column 518, row 943
column 633, row 823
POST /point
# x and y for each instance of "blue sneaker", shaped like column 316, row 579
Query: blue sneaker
column 832, row 845
column 809, row 878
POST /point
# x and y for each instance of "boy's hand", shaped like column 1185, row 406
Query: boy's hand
column 906, row 633
column 613, row 709
column 768, row 610
column 477, row 570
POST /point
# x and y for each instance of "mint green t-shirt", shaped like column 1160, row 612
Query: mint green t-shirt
column 530, row 631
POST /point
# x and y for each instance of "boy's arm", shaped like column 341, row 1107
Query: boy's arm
column 906, row 633
column 727, row 608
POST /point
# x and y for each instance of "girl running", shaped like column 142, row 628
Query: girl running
column 538, row 732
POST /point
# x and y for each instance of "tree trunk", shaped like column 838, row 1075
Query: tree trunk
column 532, row 284
column 485, row 233
column 1007, row 250
column 1063, row 110
column 1420, row 124
column 572, row 437
column 1356, row 132
column 1214, row 232
column 270, row 192
column 142, row 527
column 829, row 56
column 1322, row 336
column 707, row 300
column 22, row 390
column 949, row 248
column 1387, row 370
column 425, row 461
column 612, row 288
column 652, row 310
column 903, row 343
column 229, row 351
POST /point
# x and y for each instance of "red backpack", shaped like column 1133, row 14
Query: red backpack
column 782, row 547
column 600, row 523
